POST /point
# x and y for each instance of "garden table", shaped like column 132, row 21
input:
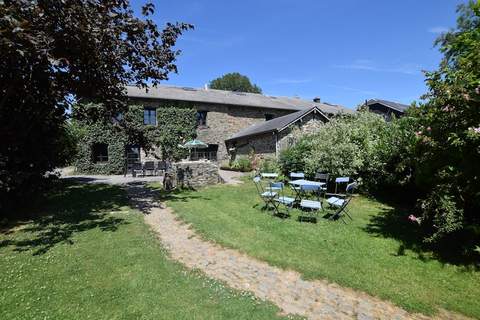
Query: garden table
column 302, row 182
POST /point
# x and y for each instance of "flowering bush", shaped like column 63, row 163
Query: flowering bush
column 362, row 146
column 448, row 148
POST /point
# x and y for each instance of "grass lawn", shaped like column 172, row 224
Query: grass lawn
column 90, row 256
column 375, row 253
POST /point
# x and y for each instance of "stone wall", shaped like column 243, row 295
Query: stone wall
column 262, row 145
column 194, row 174
column 307, row 125
column 271, row 144
column 223, row 121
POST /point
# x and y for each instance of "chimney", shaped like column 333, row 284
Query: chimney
column 316, row 99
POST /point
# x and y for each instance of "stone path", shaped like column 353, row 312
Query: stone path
column 231, row 177
column 312, row 299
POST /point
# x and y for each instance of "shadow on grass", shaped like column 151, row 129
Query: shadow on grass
column 145, row 196
column 393, row 223
column 71, row 209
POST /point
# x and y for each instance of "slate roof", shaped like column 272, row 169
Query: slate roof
column 231, row 98
column 394, row 105
column 276, row 124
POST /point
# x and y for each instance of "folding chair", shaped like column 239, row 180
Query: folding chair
column 162, row 167
column 282, row 199
column 297, row 175
column 149, row 166
column 341, row 204
column 267, row 196
column 311, row 206
column 338, row 182
column 323, row 177
column 137, row 169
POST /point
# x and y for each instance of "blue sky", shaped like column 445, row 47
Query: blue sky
column 341, row 51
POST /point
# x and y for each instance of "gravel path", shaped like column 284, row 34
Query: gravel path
column 312, row 299
column 231, row 177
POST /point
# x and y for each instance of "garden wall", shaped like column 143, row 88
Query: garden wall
column 194, row 174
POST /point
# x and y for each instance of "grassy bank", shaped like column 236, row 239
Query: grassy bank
column 88, row 255
column 377, row 252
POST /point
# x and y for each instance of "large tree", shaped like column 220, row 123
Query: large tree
column 55, row 52
column 234, row 82
column 449, row 141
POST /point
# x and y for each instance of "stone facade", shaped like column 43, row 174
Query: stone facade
column 270, row 144
column 307, row 125
column 263, row 146
column 223, row 121
column 195, row 174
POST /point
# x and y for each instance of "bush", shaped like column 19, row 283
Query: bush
column 242, row 165
column 293, row 159
column 363, row 146
column 269, row 165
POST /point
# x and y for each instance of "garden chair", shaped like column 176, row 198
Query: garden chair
column 267, row 196
column 341, row 204
column 311, row 206
column 296, row 189
column 281, row 198
column 137, row 169
column 162, row 167
column 338, row 183
column 322, row 177
column 149, row 167
column 297, row 175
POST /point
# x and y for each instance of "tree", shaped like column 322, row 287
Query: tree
column 448, row 148
column 55, row 52
column 234, row 82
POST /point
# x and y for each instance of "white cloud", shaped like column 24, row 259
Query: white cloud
column 369, row 65
column 438, row 29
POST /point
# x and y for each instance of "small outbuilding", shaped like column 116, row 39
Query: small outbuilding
column 269, row 138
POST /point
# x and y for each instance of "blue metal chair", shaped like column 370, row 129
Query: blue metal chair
column 311, row 206
column 297, row 175
column 341, row 204
column 281, row 198
column 267, row 196
column 323, row 177
column 296, row 189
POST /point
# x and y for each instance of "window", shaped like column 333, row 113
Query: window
column 209, row 153
column 150, row 116
column 201, row 118
column 269, row 116
column 100, row 152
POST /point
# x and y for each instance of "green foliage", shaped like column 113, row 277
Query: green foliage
column 293, row 159
column 362, row 146
column 54, row 52
column 234, row 82
column 269, row 165
column 379, row 251
column 242, row 164
column 176, row 125
column 448, row 149
column 91, row 231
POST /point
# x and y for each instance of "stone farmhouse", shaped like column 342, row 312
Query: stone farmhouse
column 237, row 123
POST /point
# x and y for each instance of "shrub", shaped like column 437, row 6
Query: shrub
column 293, row 159
column 269, row 165
column 363, row 146
column 242, row 164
